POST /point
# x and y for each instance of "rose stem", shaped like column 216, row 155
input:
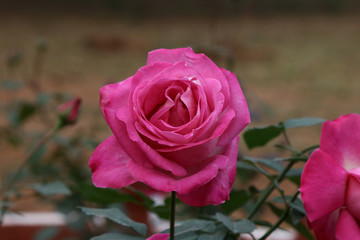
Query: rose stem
column 282, row 218
column 172, row 215
column 15, row 177
column 269, row 190
column 281, row 177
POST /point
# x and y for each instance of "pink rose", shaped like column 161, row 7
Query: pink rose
column 330, row 183
column 159, row 236
column 175, row 124
column 68, row 112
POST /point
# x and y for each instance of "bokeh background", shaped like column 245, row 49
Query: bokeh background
column 293, row 58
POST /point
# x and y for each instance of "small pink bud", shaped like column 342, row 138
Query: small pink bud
column 68, row 112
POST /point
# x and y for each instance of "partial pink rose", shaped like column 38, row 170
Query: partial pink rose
column 68, row 112
column 330, row 183
column 176, row 124
column 159, row 236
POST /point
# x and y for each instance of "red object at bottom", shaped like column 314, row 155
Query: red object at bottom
column 29, row 233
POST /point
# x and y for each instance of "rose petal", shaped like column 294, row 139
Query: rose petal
column 147, row 73
column 167, row 55
column 116, row 113
column 159, row 236
column 216, row 131
column 207, row 89
column 204, row 66
column 189, row 97
column 108, row 165
column 323, row 185
column 200, row 62
column 201, row 132
column 239, row 105
column 192, row 154
column 324, row 227
column 162, row 181
column 347, row 227
column 112, row 97
column 353, row 193
column 154, row 93
column 217, row 190
column 341, row 139
column 138, row 150
column 189, row 101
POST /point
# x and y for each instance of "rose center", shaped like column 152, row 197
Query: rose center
column 177, row 114
column 177, row 106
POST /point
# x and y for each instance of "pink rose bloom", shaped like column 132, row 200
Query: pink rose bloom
column 68, row 112
column 175, row 124
column 330, row 183
column 159, row 236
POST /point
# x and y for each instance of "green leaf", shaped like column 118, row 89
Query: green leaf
column 294, row 175
column 303, row 230
column 280, row 199
column 226, row 221
column 275, row 209
column 51, row 188
column 116, row 236
column 298, row 205
column 242, row 226
column 237, row 200
column 20, row 112
column 294, row 172
column 145, row 200
column 163, row 210
column 12, row 84
column 248, row 165
column 219, row 234
column 37, row 155
column 303, row 122
column 191, row 226
column 259, row 136
column 266, row 162
column 5, row 204
column 43, row 98
column 116, row 216
column 296, row 216
column 102, row 195
column 187, row 236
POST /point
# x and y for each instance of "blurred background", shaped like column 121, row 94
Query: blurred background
column 293, row 59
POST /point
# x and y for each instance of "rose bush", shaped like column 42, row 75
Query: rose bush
column 175, row 124
column 330, row 183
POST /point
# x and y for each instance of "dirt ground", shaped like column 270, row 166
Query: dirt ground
column 289, row 67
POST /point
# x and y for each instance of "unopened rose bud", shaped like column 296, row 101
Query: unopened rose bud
column 68, row 112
